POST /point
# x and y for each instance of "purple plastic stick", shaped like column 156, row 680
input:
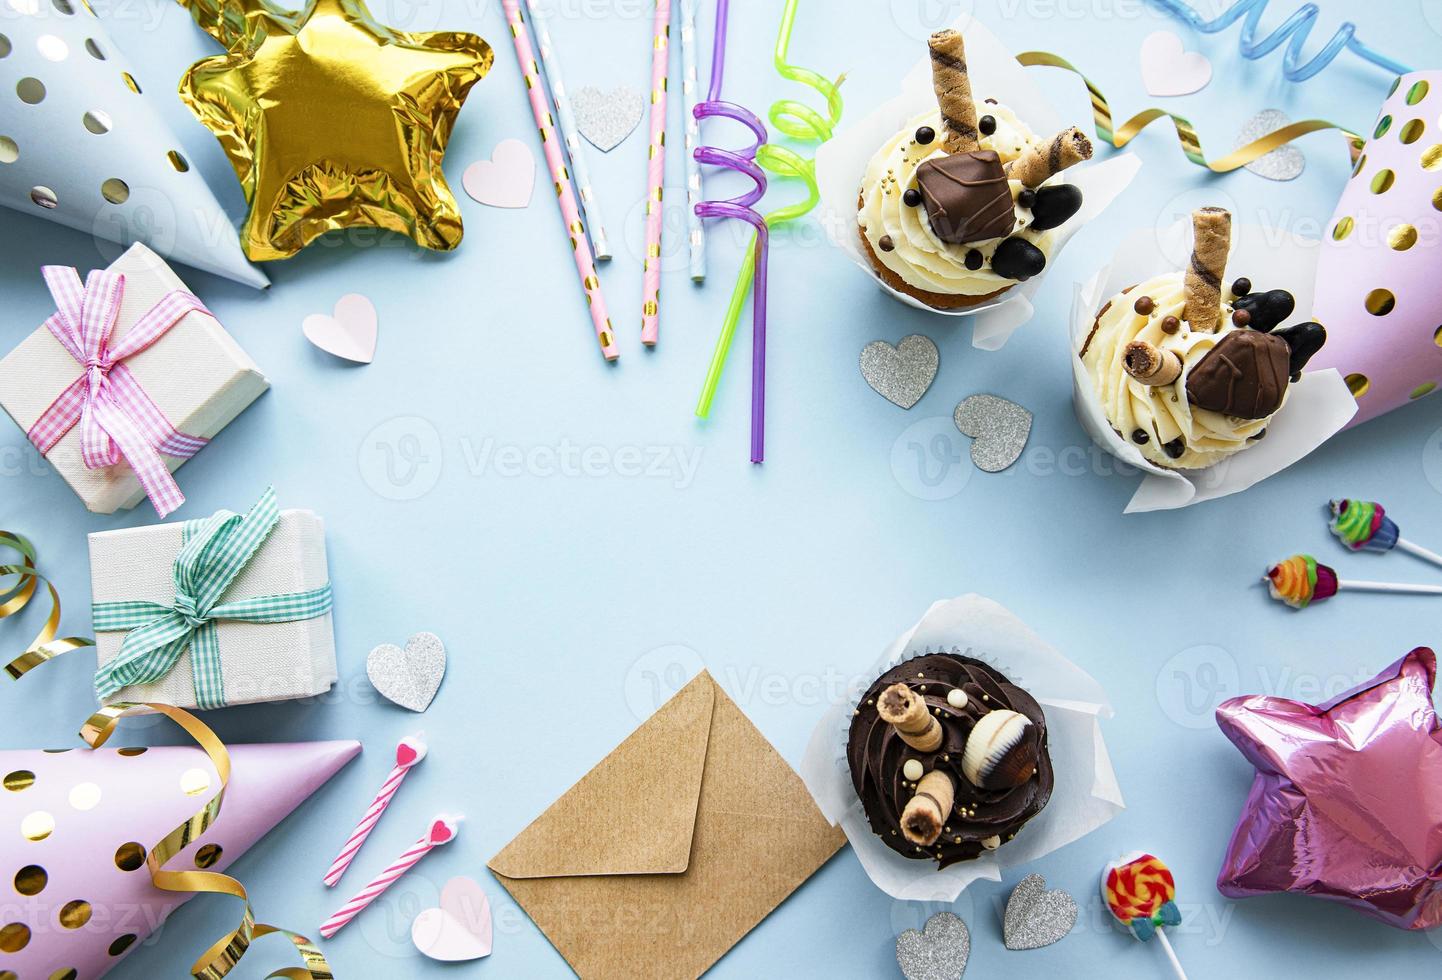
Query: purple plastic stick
column 741, row 208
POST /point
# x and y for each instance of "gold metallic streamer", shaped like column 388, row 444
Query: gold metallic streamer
column 225, row 953
column 1186, row 132
column 45, row 646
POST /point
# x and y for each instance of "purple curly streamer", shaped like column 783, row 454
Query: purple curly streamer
column 741, row 208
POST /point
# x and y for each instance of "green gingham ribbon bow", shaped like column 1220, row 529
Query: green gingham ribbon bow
column 215, row 550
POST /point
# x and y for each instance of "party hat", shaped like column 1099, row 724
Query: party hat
column 83, row 145
column 75, row 827
column 1377, row 289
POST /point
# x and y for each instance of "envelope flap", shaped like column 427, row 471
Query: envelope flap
column 635, row 812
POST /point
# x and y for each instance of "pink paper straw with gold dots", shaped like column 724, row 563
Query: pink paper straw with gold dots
column 565, row 189
column 656, row 173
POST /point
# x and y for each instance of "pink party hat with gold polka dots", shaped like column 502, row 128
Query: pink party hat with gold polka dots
column 1377, row 291
column 75, row 826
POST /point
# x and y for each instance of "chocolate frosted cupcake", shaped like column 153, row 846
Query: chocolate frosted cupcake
column 948, row 757
column 957, row 208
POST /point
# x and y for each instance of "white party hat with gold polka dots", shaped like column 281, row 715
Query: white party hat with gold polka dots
column 75, row 826
column 1377, row 290
column 81, row 143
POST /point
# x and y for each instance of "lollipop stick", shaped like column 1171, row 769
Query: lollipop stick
column 1419, row 551
column 1400, row 587
column 1171, row 955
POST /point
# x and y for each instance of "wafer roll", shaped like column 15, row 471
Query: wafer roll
column 1042, row 160
column 926, row 813
column 906, row 711
column 1151, row 365
column 1211, row 240
column 953, row 92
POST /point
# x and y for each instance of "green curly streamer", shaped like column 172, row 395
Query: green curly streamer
column 798, row 121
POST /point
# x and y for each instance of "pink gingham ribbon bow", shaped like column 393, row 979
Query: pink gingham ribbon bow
column 117, row 418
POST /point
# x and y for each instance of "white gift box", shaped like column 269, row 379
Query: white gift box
column 196, row 374
column 259, row 661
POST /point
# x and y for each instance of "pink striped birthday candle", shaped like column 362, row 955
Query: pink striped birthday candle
column 443, row 831
column 656, row 174
column 411, row 750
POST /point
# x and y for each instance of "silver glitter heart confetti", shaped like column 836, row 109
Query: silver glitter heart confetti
column 607, row 118
column 408, row 677
column 1283, row 163
column 938, row 952
column 901, row 374
column 1036, row 917
column 998, row 427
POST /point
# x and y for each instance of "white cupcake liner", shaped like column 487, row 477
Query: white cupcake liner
column 1317, row 407
column 841, row 161
column 1086, row 794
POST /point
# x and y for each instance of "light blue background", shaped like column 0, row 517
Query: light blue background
column 588, row 596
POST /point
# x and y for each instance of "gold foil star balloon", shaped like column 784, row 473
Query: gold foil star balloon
column 332, row 120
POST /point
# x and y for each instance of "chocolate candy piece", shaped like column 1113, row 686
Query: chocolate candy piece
column 1241, row 317
column 1242, row 286
column 1171, row 324
column 911, row 197
column 987, row 125
column 1176, row 448
column 1025, row 198
column 925, row 135
column 1017, row 258
column 974, row 259
column 1259, row 435
column 967, row 197
column 1140, row 437
column 1144, row 305
column 886, row 244
column 1245, row 375
column 1054, row 205
column 1268, row 309
column 1304, row 339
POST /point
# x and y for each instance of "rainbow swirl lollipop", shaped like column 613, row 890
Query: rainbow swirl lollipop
column 1301, row 580
column 1363, row 525
column 1141, row 894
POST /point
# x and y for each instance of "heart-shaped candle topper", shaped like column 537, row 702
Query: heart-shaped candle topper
column 938, row 952
column 349, row 332
column 460, row 928
column 903, row 373
column 607, row 118
column 1036, row 917
column 506, row 179
column 1285, row 162
column 1169, row 69
column 408, row 677
column 443, row 830
column 998, row 427
column 410, row 750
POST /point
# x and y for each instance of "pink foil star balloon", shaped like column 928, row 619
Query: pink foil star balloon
column 1347, row 800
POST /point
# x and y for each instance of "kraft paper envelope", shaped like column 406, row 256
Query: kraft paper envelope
column 672, row 848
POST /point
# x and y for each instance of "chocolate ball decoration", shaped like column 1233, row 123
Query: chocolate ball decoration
column 987, row 125
column 1267, row 310
column 925, row 135
column 1242, row 286
column 911, row 197
column 1144, row 305
column 1026, row 198
column 1054, row 205
column 1019, row 259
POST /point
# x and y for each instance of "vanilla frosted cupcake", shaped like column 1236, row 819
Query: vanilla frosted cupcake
column 952, row 209
column 1189, row 371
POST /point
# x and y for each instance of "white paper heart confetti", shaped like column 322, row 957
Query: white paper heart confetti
column 348, row 332
column 900, row 374
column 1169, row 69
column 1285, row 162
column 607, row 118
column 938, row 952
column 506, row 179
column 999, row 430
column 460, row 929
column 1036, row 917
column 408, row 677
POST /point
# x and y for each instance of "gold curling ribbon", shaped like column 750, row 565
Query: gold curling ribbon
column 45, row 646
column 1186, row 132
column 225, row 953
